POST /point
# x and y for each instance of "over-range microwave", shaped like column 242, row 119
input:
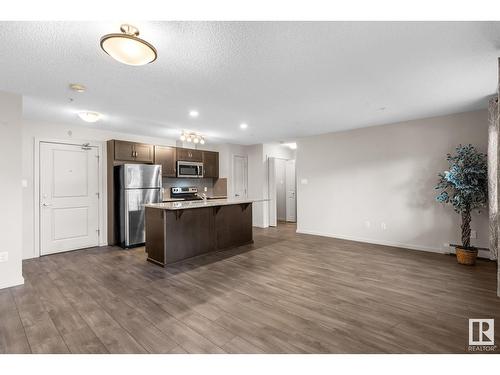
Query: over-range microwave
column 189, row 169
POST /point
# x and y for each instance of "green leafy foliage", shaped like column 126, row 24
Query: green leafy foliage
column 465, row 184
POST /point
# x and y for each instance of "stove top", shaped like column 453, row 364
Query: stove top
column 185, row 193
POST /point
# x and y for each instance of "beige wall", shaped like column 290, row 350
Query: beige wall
column 359, row 180
column 10, row 189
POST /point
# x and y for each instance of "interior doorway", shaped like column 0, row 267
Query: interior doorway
column 69, row 194
column 282, row 191
column 240, row 177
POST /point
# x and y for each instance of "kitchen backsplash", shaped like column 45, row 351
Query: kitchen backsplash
column 191, row 182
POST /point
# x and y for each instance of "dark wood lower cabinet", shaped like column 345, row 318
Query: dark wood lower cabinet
column 174, row 235
column 233, row 225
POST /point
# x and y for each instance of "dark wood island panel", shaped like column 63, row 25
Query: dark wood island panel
column 174, row 235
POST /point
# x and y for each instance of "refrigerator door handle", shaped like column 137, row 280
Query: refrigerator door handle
column 126, row 212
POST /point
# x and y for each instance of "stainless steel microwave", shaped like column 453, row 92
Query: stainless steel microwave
column 189, row 169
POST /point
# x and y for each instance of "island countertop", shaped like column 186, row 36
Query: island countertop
column 183, row 205
column 179, row 230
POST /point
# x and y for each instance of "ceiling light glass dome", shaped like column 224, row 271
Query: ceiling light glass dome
column 127, row 48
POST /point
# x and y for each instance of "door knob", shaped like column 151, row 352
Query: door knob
column 45, row 204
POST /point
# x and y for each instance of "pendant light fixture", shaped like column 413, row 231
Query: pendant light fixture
column 128, row 48
column 192, row 137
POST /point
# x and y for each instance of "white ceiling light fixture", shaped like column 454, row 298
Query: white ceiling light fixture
column 243, row 125
column 127, row 48
column 192, row 137
column 194, row 113
column 89, row 116
column 77, row 87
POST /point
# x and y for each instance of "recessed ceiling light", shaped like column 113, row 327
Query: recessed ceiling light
column 193, row 113
column 77, row 87
column 127, row 48
column 89, row 116
column 243, row 126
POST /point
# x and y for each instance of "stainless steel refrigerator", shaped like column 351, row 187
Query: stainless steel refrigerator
column 137, row 184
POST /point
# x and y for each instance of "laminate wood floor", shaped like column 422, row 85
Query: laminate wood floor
column 286, row 293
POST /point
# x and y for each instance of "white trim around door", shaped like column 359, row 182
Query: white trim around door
column 36, row 191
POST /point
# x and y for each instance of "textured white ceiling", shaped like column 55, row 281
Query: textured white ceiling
column 285, row 79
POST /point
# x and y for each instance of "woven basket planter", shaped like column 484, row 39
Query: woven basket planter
column 466, row 256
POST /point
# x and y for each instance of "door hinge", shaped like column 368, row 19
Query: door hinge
column 98, row 195
column 98, row 232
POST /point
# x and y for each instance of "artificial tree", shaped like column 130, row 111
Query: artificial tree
column 464, row 185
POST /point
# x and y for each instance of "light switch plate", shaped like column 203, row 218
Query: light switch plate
column 4, row 256
column 304, row 181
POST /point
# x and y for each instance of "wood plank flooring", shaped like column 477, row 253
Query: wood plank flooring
column 286, row 293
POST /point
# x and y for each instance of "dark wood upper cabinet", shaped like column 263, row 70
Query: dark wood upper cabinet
column 188, row 154
column 211, row 164
column 144, row 153
column 124, row 151
column 132, row 151
column 166, row 157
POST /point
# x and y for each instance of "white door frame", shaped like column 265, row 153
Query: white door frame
column 232, row 173
column 102, row 209
column 271, row 191
column 294, row 169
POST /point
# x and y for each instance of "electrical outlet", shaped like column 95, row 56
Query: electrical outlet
column 367, row 224
column 383, row 226
column 4, row 256
column 473, row 234
column 205, row 189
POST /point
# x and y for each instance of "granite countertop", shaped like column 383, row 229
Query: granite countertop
column 182, row 205
column 182, row 199
column 173, row 200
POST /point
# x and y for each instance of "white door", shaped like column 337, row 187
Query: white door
column 291, row 198
column 69, row 197
column 281, row 191
column 240, row 176
column 271, row 162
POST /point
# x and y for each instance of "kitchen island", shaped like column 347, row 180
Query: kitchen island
column 181, row 230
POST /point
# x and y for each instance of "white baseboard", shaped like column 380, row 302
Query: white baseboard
column 260, row 226
column 481, row 254
column 13, row 282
